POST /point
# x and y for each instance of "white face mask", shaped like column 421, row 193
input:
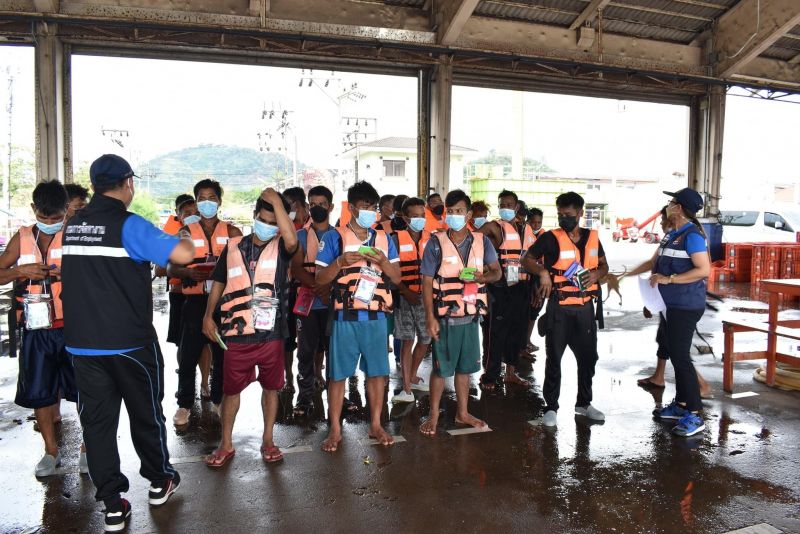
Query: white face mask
column 292, row 215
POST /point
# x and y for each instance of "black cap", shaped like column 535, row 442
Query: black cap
column 109, row 169
column 182, row 199
column 687, row 198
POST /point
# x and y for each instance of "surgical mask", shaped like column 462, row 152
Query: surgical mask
column 207, row 208
column 417, row 223
column 366, row 218
column 264, row 231
column 438, row 210
column 537, row 232
column 456, row 222
column 49, row 229
column 318, row 214
column 567, row 222
column 292, row 215
column 479, row 221
column 191, row 219
column 507, row 214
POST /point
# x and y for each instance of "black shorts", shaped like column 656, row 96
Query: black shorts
column 45, row 370
column 661, row 338
column 176, row 301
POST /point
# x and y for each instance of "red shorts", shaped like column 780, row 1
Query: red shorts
column 241, row 360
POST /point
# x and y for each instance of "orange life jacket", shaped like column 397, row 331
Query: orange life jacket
column 448, row 288
column 235, row 303
column 173, row 227
column 29, row 252
column 347, row 282
column 566, row 292
column 411, row 258
column 312, row 247
column 432, row 222
column 202, row 249
column 513, row 246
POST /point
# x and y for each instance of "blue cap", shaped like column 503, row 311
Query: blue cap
column 687, row 198
column 109, row 169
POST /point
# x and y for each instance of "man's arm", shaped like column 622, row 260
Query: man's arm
column 492, row 274
column 209, row 326
column 427, row 301
column 285, row 224
column 493, row 232
column 9, row 271
column 306, row 278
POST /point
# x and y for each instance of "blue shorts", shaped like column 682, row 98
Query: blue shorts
column 353, row 339
column 45, row 370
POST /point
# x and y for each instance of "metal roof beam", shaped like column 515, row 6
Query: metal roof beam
column 589, row 13
column 748, row 29
column 454, row 15
column 765, row 71
column 795, row 60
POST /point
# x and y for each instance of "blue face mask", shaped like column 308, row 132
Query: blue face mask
column 417, row 223
column 264, row 231
column 456, row 222
column 191, row 219
column 479, row 221
column 207, row 208
column 49, row 229
column 507, row 214
column 366, row 218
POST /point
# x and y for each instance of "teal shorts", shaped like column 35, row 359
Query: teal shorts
column 352, row 341
column 458, row 350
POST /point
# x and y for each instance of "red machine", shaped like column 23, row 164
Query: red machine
column 628, row 229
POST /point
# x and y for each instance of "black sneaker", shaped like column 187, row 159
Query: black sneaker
column 117, row 516
column 161, row 491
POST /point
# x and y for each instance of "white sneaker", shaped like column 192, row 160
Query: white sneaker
column 420, row 386
column 403, row 397
column 549, row 418
column 181, row 417
column 83, row 464
column 591, row 412
column 47, row 465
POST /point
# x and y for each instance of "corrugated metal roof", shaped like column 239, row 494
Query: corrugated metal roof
column 671, row 6
column 407, row 3
column 619, row 12
column 556, row 12
column 644, row 31
column 778, row 52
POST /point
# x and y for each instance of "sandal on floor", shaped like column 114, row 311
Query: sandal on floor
column 219, row 458
column 271, row 454
column 645, row 383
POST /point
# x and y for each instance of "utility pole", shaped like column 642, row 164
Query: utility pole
column 10, row 110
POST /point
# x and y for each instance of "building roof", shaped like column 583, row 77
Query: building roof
column 406, row 143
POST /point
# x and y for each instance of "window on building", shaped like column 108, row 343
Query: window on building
column 394, row 168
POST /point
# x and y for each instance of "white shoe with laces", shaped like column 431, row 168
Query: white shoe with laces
column 48, row 464
column 550, row 418
column 591, row 412
column 403, row 397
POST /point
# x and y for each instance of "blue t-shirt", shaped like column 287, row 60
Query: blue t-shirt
column 694, row 241
column 330, row 249
column 144, row 243
column 302, row 236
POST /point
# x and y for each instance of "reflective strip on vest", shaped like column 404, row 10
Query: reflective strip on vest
column 348, row 277
column 673, row 253
column 568, row 294
column 202, row 249
column 448, row 288
column 513, row 247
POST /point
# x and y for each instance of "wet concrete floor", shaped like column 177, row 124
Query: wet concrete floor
column 626, row 475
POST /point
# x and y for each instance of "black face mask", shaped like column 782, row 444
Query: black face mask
column 398, row 224
column 319, row 214
column 438, row 210
column 567, row 222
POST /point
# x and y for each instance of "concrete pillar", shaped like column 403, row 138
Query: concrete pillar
column 423, row 132
column 707, row 126
column 441, row 114
column 53, row 149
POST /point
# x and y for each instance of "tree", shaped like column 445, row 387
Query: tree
column 143, row 204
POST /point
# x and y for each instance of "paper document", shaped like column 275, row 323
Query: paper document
column 651, row 296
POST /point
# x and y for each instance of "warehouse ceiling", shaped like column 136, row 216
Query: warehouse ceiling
column 645, row 48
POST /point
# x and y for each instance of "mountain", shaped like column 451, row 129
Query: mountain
column 236, row 168
column 503, row 159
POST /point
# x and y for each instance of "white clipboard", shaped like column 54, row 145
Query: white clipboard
column 651, row 296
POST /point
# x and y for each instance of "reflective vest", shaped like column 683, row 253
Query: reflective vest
column 347, row 282
column 29, row 252
column 411, row 258
column 202, row 249
column 235, row 304
column 448, row 288
column 312, row 247
column 432, row 222
column 674, row 259
column 513, row 246
column 173, row 227
column 567, row 293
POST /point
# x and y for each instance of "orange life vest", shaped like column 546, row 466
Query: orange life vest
column 513, row 246
column 235, row 303
column 566, row 292
column 173, row 227
column 448, row 288
column 29, row 252
column 202, row 249
column 432, row 222
column 411, row 258
column 347, row 282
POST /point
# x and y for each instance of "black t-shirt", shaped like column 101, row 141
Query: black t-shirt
column 251, row 252
column 547, row 247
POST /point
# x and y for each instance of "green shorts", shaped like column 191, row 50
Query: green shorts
column 458, row 350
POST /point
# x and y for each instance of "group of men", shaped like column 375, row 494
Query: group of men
column 429, row 273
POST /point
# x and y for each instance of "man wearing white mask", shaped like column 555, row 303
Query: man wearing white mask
column 250, row 286
column 210, row 235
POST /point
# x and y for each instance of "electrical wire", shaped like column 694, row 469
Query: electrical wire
column 758, row 27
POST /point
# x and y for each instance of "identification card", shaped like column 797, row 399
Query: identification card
column 512, row 272
column 368, row 280
column 265, row 312
column 470, row 295
column 38, row 311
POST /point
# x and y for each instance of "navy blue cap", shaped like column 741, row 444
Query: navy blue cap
column 109, row 169
column 688, row 198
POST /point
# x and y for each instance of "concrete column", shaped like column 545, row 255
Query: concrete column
column 53, row 151
column 441, row 114
column 707, row 126
column 423, row 132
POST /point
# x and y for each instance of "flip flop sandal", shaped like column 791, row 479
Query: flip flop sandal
column 271, row 454
column 487, row 386
column 218, row 458
column 645, row 383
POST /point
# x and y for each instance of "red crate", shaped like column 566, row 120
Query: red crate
column 790, row 253
column 739, row 250
column 720, row 274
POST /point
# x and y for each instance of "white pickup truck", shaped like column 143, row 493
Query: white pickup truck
column 779, row 222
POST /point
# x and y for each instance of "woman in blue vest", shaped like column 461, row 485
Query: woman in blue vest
column 681, row 268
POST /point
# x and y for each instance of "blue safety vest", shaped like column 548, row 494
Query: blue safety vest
column 673, row 259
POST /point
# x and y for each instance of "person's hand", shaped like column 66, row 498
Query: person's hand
column 349, row 258
column 590, row 278
column 210, row 328
column 33, row 271
column 321, row 290
column 545, row 284
column 659, row 279
column 55, row 271
column 480, row 277
column 433, row 328
column 272, row 196
column 377, row 256
column 647, row 313
column 410, row 296
column 196, row 275
column 536, row 300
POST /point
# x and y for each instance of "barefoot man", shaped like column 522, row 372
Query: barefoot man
column 456, row 267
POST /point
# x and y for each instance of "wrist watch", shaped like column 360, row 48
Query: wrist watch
column 672, row 278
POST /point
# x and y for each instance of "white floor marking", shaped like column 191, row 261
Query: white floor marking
column 761, row 528
column 743, row 395
column 373, row 441
column 470, row 430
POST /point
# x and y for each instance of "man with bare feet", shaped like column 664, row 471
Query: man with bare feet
column 456, row 267
column 359, row 261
